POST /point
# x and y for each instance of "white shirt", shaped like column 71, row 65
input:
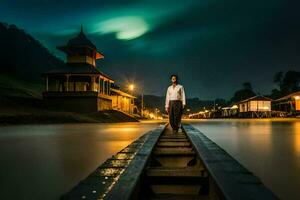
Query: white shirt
column 175, row 93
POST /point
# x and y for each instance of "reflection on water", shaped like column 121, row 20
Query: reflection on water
column 268, row 148
column 44, row 161
column 296, row 128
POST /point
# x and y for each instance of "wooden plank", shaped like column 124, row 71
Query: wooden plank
column 117, row 176
column 125, row 187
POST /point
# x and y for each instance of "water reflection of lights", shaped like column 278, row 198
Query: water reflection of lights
column 122, row 129
column 296, row 127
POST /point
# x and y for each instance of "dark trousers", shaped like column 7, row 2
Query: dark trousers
column 175, row 112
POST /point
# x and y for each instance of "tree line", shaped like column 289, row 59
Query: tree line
column 287, row 82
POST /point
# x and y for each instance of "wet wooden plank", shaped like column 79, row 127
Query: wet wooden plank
column 118, row 175
column 232, row 179
column 125, row 187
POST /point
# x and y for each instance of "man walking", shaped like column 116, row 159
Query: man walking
column 175, row 103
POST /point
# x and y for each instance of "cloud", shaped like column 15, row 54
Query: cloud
column 125, row 28
column 212, row 44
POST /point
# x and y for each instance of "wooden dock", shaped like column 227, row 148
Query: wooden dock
column 163, row 165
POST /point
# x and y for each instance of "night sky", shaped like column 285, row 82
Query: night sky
column 214, row 45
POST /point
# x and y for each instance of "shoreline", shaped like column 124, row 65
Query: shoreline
column 109, row 116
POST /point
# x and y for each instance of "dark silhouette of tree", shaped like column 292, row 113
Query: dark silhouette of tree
column 287, row 83
column 278, row 78
column 244, row 93
column 247, row 86
column 276, row 94
column 290, row 82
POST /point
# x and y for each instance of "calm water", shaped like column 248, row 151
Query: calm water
column 44, row 161
column 268, row 148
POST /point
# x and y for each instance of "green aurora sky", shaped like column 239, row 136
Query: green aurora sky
column 214, row 46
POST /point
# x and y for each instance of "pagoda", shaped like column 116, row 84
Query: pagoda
column 78, row 85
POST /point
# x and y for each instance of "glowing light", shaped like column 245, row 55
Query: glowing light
column 125, row 28
column 131, row 87
column 234, row 107
column 297, row 97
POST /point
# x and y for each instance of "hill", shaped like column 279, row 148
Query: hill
column 22, row 56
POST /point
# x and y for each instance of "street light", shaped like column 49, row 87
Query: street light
column 131, row 88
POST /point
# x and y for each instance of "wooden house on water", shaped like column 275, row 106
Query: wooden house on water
column 230, row 111
column 122, row 101
column 290, row 104
column 255, row 107
column 78, row 85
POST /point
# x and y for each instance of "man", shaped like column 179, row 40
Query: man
column 175, row 103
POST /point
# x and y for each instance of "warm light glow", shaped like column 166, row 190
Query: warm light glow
column 151, row 115
column 266, row 107
column 131, row 87
column 234, row 107
column 297, row 97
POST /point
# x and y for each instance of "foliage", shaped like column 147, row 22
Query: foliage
column 244, row 93
column 287, row 83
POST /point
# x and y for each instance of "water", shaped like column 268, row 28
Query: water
column 44, row 161
column 268, row 148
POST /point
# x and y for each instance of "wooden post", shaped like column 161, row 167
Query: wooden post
column 108, row 87
column 92, row 83
column 67, row 83
column 99, row 85
column 103, row 86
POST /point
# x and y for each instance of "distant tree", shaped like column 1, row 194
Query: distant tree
column 275, row 94
column 287, row 83
column 278, row 78
column 247, row 86
column 244, row 93
column 290, row 82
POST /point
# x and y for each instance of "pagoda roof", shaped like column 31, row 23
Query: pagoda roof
column 81, row 40
column 76, row 68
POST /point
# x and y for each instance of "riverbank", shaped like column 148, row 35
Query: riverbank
column 19, row 110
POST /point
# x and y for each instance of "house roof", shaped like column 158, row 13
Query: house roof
column 289, row 96
column 77, row 68
column 256, row 98
column 122, row 93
